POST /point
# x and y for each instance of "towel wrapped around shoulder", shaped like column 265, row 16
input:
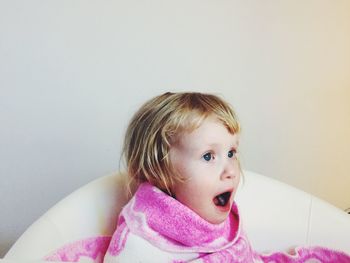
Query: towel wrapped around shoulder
column 154, row 226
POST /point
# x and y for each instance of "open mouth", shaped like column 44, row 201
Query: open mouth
column 222, row 199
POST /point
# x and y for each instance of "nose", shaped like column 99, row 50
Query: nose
column 229, row 170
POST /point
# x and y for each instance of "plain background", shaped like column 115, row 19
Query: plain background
column 72, row 73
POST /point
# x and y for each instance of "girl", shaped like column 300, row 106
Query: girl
column 181, row 154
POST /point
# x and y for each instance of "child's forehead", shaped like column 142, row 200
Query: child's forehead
column 211, row 131
column 206, row 125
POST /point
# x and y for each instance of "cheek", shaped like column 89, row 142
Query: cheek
column 187, row 170
column 194, row 189
column 192, row 186
column 190, row 196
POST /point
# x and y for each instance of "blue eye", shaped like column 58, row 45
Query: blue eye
column 207, row 156
column 231, row 153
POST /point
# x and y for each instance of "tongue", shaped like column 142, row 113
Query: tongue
column 221, row 200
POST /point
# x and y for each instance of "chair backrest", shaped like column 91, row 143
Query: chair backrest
column 278, row 216
column 91, row 210
column 275, row 216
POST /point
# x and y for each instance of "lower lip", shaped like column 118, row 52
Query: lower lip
column 225, row 208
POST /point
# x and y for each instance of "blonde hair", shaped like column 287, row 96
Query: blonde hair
column 156, row 126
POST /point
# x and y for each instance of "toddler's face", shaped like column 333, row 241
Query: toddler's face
column 206, row 158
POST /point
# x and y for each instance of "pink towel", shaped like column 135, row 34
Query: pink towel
column 170, row 231
column 154, row 227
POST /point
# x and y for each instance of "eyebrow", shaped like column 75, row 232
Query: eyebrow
column 213, row 145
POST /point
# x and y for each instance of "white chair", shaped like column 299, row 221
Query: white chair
column 275, row 216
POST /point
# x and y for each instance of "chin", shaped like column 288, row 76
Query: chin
column 217, row 220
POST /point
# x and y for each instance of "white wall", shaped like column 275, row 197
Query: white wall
column 73, row 72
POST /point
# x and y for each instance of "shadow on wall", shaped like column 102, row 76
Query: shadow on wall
column 4, row 247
